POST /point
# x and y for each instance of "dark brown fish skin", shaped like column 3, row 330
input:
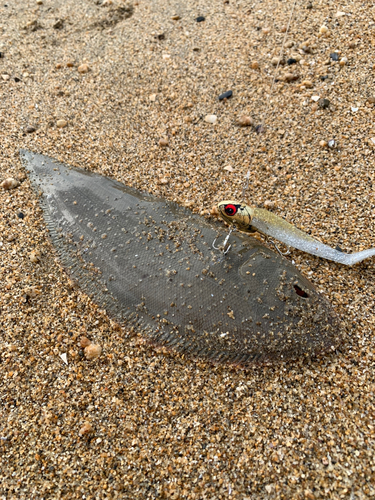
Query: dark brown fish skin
column 150, row 262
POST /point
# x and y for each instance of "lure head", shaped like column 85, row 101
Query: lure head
column 236, row 213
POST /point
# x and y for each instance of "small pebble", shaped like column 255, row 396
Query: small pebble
column 323, row 144
column 371, row 100
column 210, row 119
column 84, row 342
column 200, row 19
column 225, row 95
column 9, row 183
column 163, row 142
column 315, row 98
column 307, row 83
column 277, row 60
column 245, row 121
column 30, row 129
column 34, row 257
column 93, row 351
column 83, row 68
column 291, row 61
column 331, row 143
column 323, row 30
column 61, row 123
column 289, row 77
column 334, row 56
column 269, row 204
column 324, row 103
column 86, row 428
column 5, row 77
column 229, row 168
column 254, row 65
column 70, row 64
column 343, row 61
column 20, row 215
column 59, row 24
column 175, row 18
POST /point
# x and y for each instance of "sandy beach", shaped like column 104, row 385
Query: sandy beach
column 131, row 91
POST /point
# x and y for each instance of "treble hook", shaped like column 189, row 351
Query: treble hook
column 224, row 250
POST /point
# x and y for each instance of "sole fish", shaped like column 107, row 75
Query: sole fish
column 150, row 262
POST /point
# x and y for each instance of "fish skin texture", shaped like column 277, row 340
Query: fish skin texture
column 150, row 262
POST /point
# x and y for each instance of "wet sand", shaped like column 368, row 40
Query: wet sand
column 98, row 86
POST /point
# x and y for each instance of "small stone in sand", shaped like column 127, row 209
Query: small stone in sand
column 245, row 121
column 34, row 257
column 200, row 19
column 210, row 119
column 83, row 68
column 334, row 56
column 61, row 123
column 225, row 95
column 163, row 142
column 93, row 351
column 291, row 61
column 86, row 428
column 9, row 183
column 84, row 342
column 324, row 103
column 30, row 129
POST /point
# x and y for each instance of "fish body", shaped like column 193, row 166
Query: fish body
column 272, row 225
column 150, row 262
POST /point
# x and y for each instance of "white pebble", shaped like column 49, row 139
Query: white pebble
column 315, row 98
column 210, row 119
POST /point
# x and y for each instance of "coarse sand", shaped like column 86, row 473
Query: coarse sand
column 130, row 91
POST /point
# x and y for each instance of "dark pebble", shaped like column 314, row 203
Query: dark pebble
column 1, row 55
column 226, row 95
column 309, row 5
column 30, row 130
column 59, row 24
column 324, row 77
column 339, row 249
column 20, row 215
column 324, row 103
column 291, row 61
column 161, row 36
column 17, row 79
column 334, row 56
column 200, row 19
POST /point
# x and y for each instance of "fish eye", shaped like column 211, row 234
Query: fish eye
column 230, row 210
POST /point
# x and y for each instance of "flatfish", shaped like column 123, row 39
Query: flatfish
column 150, row 262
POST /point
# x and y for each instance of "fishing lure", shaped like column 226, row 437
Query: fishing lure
column 249, row 220
column 149, row 262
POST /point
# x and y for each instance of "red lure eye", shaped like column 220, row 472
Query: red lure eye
column 230, row 210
